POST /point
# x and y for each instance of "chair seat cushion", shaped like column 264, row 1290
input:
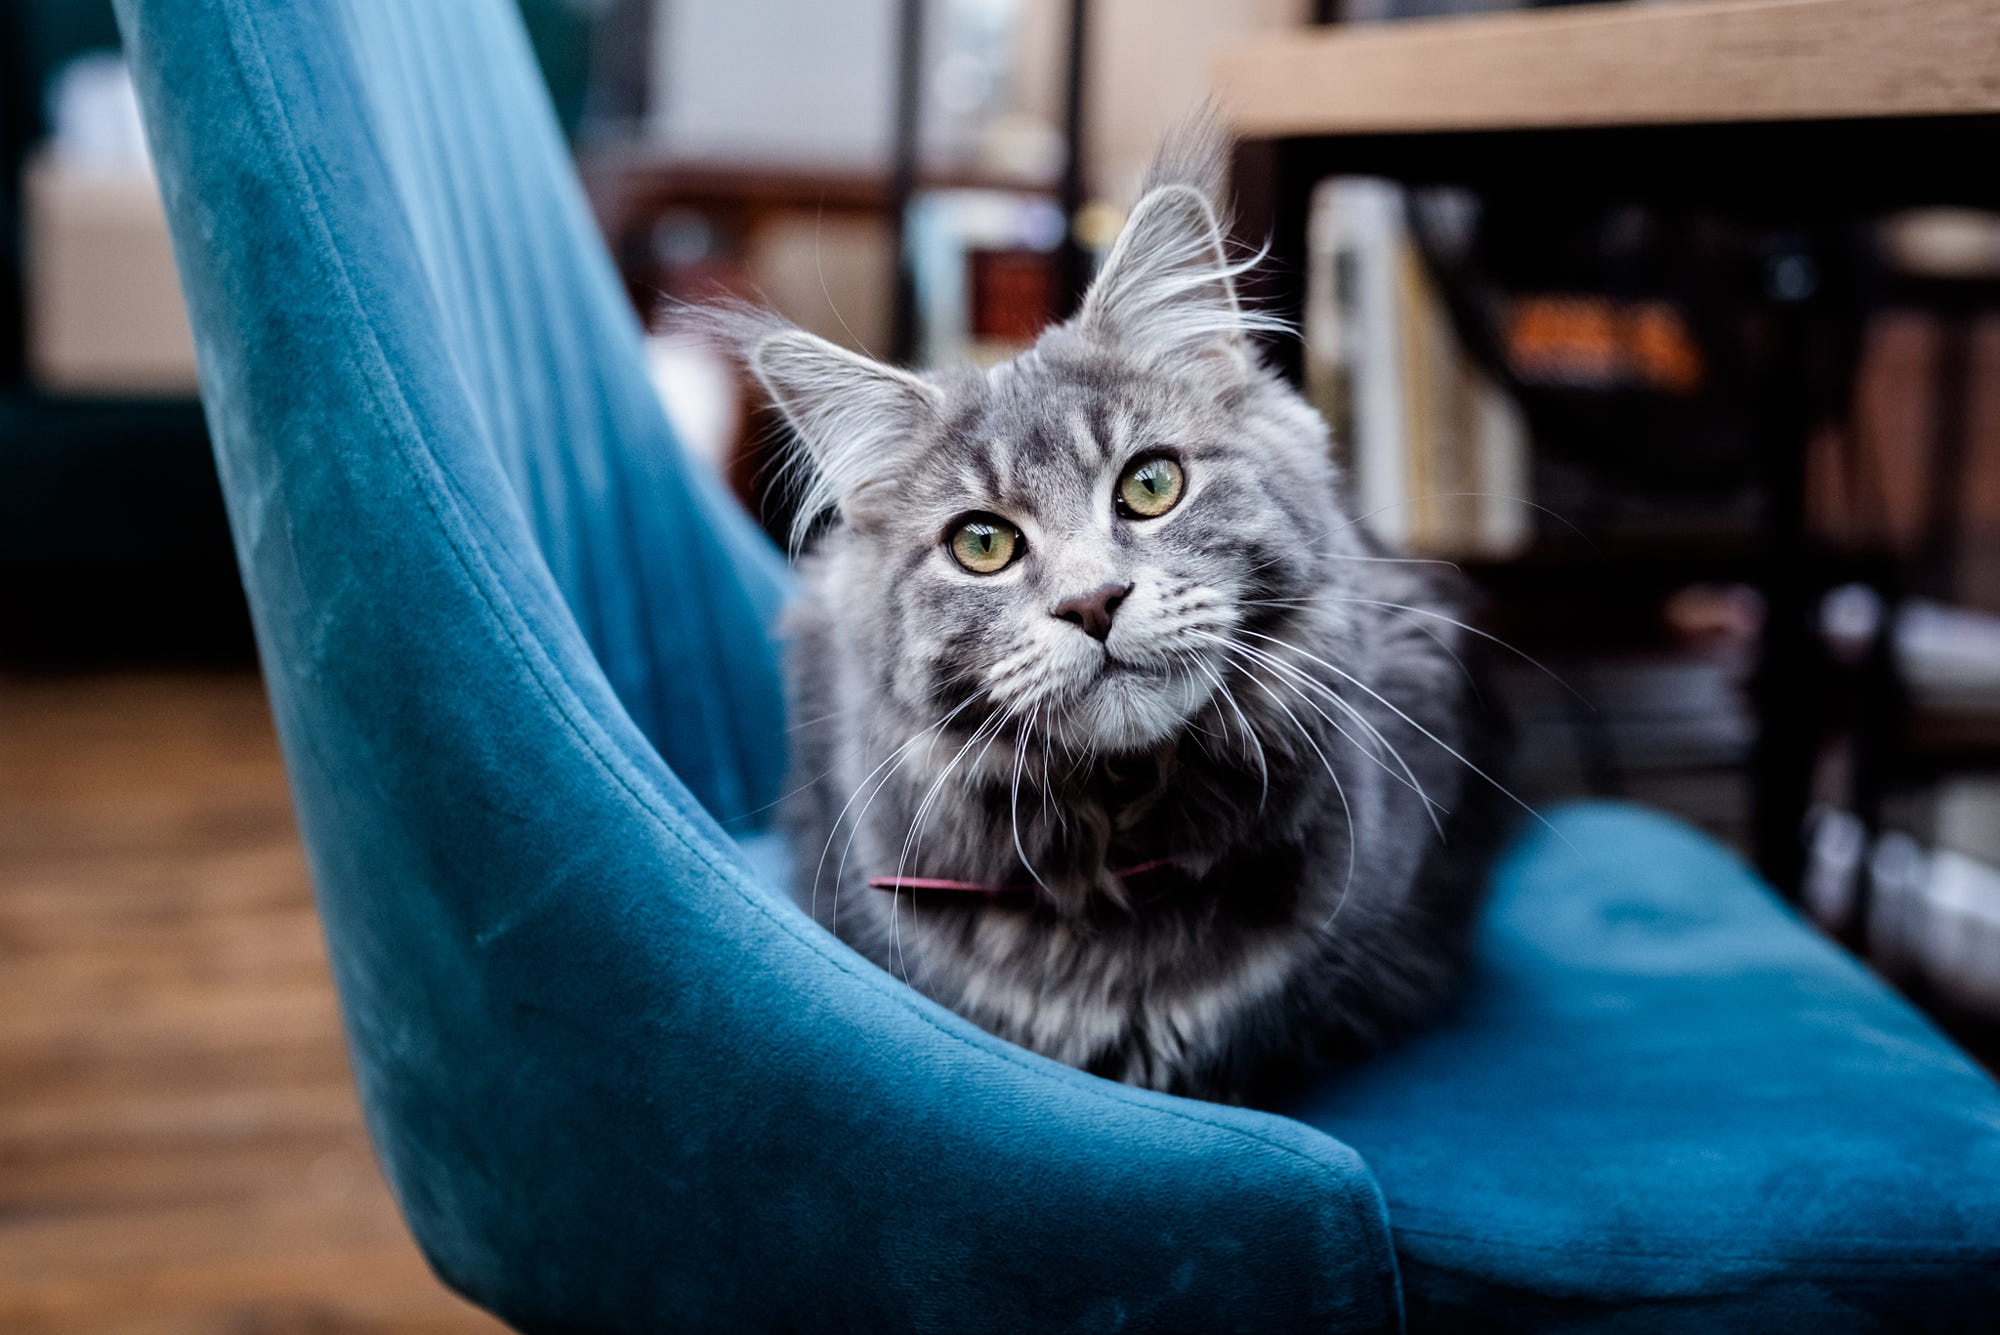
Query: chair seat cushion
column 1666, row 1103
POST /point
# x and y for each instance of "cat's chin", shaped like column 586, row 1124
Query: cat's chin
column 1130, row 709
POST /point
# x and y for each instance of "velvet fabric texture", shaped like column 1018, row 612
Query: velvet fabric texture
column 521, row 662
column 1667, row 1104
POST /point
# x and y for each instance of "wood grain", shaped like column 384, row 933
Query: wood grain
column 180, row 1148
column 1692, row 62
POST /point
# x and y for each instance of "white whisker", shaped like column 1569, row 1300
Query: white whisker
column 1471, row 630
column 1249, row 733
column 1014, row 805
column 1407, row 778
column 891, row 761
column 1347, row 810
column 1447, row 747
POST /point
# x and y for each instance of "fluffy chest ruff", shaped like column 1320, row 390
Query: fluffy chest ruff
column 1105, row 606
column 1297, row 901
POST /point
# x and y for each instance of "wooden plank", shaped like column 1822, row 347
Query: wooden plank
column 180, row 1147
column 96, row 1178
column 1686, row 63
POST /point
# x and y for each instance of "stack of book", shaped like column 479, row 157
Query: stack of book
column 1437, row 452
column 1932, row 902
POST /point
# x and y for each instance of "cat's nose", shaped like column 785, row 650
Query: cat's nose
column 1093, row 611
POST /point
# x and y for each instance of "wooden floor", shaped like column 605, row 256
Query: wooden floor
column 180, row 1148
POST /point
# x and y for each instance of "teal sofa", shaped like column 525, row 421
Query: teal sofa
column 522, row 662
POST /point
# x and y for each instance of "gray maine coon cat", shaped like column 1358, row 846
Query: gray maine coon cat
column 1166, row 767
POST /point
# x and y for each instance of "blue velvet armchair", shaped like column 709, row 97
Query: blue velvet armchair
column 522, row 664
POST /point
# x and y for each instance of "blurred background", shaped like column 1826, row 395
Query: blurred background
column 1567, row 393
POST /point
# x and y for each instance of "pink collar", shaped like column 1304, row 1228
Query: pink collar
column 901, row 883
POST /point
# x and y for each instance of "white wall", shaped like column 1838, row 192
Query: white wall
column 811, row 81
column 775, row 81
column 1150, row 63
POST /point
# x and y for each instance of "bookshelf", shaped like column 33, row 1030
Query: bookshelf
column 1800, row 117
column 1715, row 62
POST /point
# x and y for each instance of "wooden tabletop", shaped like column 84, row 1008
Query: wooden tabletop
column 1689, row 62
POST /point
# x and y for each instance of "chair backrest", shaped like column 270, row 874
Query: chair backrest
column 459, row 225
column 616, row 1082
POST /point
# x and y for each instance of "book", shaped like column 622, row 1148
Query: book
column 1437, row 452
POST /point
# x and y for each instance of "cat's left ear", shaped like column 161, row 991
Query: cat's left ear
column 1167, row 291
column 858, row 419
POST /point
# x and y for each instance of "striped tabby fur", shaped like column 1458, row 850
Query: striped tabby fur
column 1278, row 706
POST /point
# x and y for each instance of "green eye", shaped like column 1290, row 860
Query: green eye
column 985, row 545
column 1150, row 488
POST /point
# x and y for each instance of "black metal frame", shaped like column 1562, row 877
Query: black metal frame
column 905, row 145
column 1805, row 183
column 1072, row 259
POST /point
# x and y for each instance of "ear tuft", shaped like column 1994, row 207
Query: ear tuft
column 1168, row 289
column 857, row 419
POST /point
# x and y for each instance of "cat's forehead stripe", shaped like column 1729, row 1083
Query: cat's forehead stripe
column 1085, row 438
column 1121, row 432
column 1000, row 459
column 986, row 473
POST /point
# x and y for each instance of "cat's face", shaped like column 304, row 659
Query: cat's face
column 1076, row 539
column 1064, row 547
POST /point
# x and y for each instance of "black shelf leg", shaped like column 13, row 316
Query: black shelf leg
column 1786, row 682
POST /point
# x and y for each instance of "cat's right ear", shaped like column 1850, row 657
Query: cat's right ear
column 858, row 419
